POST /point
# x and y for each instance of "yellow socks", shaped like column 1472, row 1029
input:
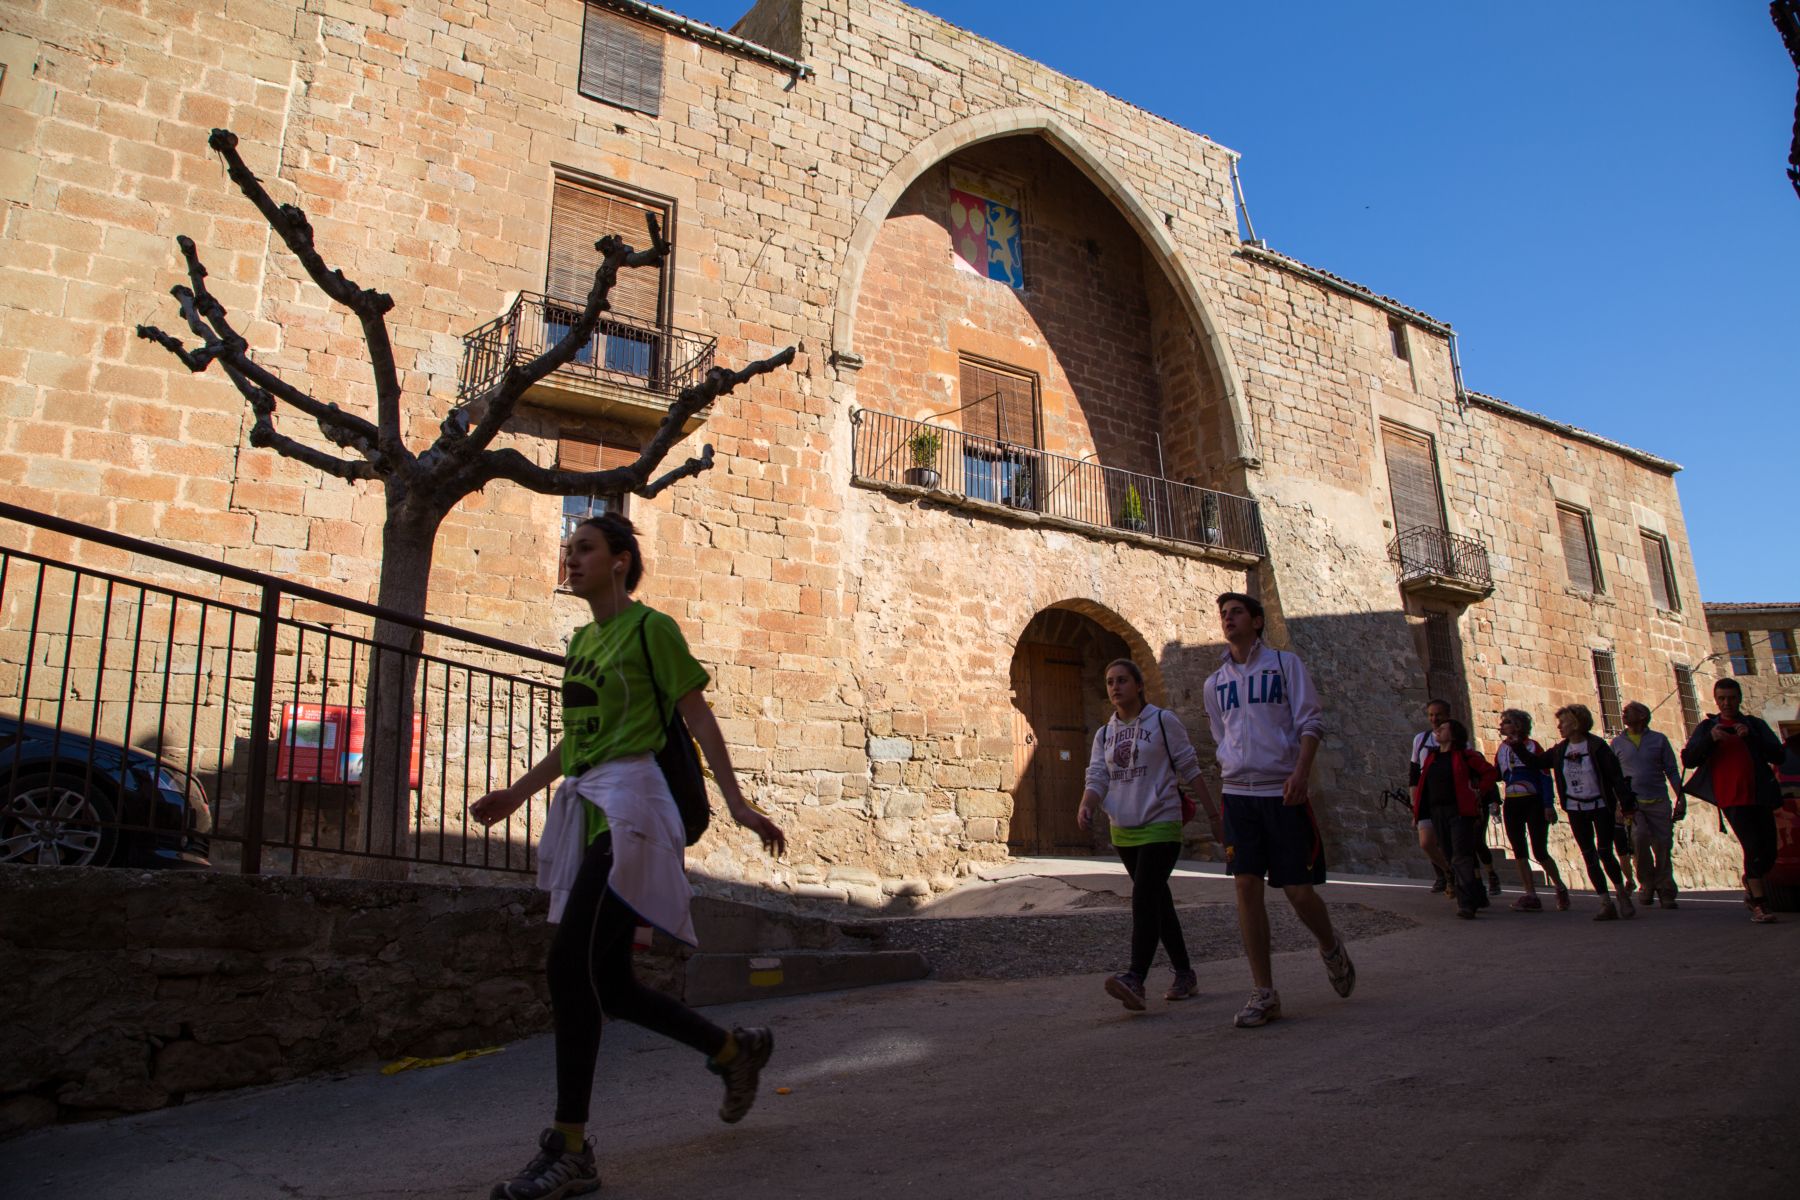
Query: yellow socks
column 727, row 1052
column 574, row 1136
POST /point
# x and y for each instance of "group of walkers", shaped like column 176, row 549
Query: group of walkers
column 1622, row 799
column 612, row 848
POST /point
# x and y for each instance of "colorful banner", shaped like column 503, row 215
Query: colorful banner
column 986, row 236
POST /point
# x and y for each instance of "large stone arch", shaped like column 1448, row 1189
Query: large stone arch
column 1009, row 122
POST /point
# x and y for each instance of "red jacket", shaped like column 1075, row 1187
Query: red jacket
column 1474, row 775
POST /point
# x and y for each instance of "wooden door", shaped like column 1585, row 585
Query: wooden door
column 1054, row 751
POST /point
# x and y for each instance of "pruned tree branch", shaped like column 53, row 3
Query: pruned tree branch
column 264, row 435
column 371, row 307
column 503, row 397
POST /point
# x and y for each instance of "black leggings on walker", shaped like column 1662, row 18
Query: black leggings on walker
column 590, row 972
column 1594, row 834
column 1153, row 916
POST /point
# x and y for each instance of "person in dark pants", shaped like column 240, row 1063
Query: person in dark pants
column 1436, row 713
column 1139, row 758
column 1528, row 809
column 1450, row 789
column 611, row 852
column 1593, row 790
column 1733, row 756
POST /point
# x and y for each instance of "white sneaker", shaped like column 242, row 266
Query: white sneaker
column 1263, row 1006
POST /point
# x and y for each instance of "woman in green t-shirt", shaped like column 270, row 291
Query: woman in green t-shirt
column 611, row 854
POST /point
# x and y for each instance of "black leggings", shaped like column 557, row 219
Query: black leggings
column 1754, row 825
column 1527, row 829
column 1153, row 916
column 1594, row 834
column 590, row 971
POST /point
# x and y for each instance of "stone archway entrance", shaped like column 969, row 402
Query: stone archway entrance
column 1059, row 700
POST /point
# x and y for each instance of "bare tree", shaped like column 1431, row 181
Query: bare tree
column 420, row 488
column 1786, row 15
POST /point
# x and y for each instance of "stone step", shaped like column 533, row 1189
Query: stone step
column 726, row 978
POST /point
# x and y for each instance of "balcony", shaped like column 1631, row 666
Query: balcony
column 1439, row 565
column 1038, row 487
column 628, row 369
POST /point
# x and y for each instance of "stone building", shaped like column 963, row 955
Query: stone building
column 1048, row 401
column 1754, row 644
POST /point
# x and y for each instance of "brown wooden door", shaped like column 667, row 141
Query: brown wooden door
column 1050, row 744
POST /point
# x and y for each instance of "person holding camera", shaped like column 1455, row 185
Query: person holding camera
column 1733, row 757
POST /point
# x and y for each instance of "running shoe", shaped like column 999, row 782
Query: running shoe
column 1607, row 912
column 554, row 1173
column 1627, row 909
column 1528, row 903
column 1439, row 884
column 1562, row 898
column 1761, row 915
column 1128, row 989
column 1493, row 883
column 1339, row 969
column 1667, row 902
column 1264, row 1006
column 743, row 1071
column 1186, row 984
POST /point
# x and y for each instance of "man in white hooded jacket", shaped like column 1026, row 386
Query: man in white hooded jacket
column 1267, row 724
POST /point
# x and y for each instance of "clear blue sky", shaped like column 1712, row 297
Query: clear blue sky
column 1592, row 192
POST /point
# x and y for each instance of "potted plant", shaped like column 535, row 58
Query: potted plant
column 923, row 445
column 1131, row 516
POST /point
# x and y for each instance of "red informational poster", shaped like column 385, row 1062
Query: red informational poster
column 323, row 743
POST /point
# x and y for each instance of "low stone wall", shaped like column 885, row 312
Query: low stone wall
column 125, row 991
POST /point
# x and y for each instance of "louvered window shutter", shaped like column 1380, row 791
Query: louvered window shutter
column 1656, row 560
column 575, row 452
column 621, row 61
column 999, row 405
column 581, row 216
column 1576, row 551
column 1412, row 479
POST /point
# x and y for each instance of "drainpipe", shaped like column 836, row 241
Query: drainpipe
column 1456, row 378
column 1237, row 190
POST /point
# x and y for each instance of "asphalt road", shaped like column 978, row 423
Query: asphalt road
column 1515, row 1056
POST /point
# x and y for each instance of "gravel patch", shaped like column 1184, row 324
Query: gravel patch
column 1097, row 941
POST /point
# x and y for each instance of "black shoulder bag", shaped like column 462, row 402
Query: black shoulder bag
column 679, row 761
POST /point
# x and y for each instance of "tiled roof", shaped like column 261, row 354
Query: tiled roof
column 1338, row 283
column 1498, row 405
column 1733, row 606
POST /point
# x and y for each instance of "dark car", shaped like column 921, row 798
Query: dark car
column 72, row 800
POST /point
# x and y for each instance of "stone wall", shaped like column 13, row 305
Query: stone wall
column 1768, row 692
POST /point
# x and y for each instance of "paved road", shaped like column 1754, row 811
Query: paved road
column 1517, row 1056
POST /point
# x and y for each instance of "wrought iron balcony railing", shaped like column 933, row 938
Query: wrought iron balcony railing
column 892, row 449
column 1426, row 552
column 657, row 358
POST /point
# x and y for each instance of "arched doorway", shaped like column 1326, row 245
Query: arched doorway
column 1059, row 700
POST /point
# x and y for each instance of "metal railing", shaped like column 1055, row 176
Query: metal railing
column 1426, row 550
column 240, row 697
column 639, row 354
column 892, row 449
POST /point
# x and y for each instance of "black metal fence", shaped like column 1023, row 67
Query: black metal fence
column 894, row 449
column 161, row 709
column 657, row 358
column 1426, row 550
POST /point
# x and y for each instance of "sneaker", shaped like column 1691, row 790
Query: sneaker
column 554, row 1173
column 1467, row 914
column 1185, row 985
column 1439, row 884
column 1627, row 909
column 1339, row 969
column 1607, row 912
column 1761, row 915
column 1493, row 883
column 1562, row 898
column 1528, row 903
column 1667, row 902
column 1127, row 989
column 743, row 1071
column 1263, row 1006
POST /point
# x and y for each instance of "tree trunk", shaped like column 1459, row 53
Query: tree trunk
column 389, row 818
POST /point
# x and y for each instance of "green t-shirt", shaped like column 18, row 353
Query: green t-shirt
column 609, row 704
column 1145, row 835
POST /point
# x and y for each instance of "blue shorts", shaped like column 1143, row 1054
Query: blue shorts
column 1276, row 841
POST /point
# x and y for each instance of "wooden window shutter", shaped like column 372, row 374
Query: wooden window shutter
column 578, row 452
column 999, row 405
column 1662, row 581
column 621, row 61
column 1412, row 479
column 1578, row 549
column 1690, row 699
column 581, row 216
column 1606, row 683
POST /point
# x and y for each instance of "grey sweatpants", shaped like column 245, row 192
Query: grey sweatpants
column 1652, row 840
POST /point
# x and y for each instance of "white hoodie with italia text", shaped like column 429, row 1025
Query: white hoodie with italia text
column 1133, row 769
column 1259, row 710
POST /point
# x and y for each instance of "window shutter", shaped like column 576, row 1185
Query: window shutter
column 1606, row 683
column 1662, row 581
column 1690, row 699
column 999, row 405
column 576, row 452
column 579, row 217
column 1413, row 480
column 621, row 61
column 1577, row 549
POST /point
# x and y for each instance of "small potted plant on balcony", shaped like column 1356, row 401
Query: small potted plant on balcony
column 923, row 446
column 1131, row 516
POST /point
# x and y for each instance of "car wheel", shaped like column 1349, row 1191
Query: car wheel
column 58, row 820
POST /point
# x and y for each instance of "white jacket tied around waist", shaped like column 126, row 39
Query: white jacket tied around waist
column 649, row 871
column 1259, row 710
column 1133, row 769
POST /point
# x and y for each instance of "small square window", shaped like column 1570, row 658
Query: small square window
column 1737, row 646
column 1397, row 339
column 1781, row 649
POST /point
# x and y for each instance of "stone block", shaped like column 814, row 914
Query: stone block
column 890, row 749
